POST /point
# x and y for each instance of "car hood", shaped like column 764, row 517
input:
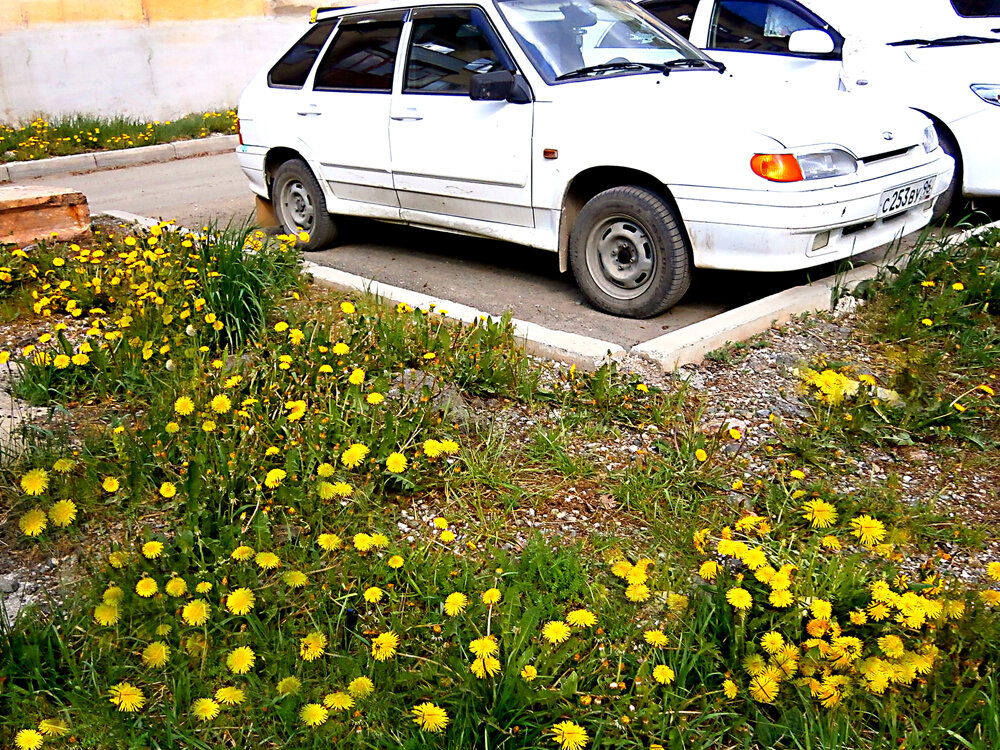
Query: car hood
column 725, row 107
column 893, row 20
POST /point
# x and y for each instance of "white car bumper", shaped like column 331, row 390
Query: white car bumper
column 251, row 159
column 977, row 140
column 744, row 230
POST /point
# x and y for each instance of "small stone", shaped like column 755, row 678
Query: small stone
column 8, row 585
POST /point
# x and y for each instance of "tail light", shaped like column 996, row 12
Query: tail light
column 239, row 132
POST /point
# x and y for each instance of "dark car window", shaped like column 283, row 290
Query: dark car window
column 293, row 68
column 677, row 14
column 976, row 8
column 762, row 26
column 449, row 46
column 362, row 55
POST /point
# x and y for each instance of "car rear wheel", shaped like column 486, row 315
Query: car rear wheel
column 300, row 205
column 628, row 254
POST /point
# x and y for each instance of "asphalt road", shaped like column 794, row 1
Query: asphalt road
column 491, row 276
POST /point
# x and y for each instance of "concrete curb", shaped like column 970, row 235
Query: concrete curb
column 127, row 157
column 582, row 351
column 690, row 344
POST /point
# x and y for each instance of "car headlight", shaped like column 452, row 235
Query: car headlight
column 930, row 139
column 988, row 92
column 812, row 165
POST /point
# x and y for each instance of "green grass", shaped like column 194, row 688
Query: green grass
column 311, row 415
column 79, row 134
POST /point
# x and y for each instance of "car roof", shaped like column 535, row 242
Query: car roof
column 328, row 12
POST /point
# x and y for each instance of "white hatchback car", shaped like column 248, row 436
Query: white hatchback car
column 583, row 127
column 941, row 57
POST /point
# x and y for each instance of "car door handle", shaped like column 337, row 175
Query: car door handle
column 309, row 113
column 409, row 114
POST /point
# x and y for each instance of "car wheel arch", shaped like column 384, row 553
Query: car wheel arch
column 942, row 128
column 274, row 159
column 594, row 180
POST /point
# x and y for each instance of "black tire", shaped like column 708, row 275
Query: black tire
column 950, row 201
column 628, row 253
column 300, row 205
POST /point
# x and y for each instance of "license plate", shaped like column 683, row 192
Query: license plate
column 903, row 197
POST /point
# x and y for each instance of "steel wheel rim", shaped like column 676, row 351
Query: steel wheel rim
column 297, row 206
column 621, row 257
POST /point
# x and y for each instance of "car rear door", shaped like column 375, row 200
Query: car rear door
column 344, row 118
column 452, row 156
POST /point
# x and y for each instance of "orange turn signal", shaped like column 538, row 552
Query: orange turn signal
column 777, row 167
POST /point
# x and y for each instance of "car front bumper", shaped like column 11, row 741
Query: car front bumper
column 743, row 230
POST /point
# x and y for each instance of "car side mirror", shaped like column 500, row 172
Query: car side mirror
column 810, row 42
column 499, row 86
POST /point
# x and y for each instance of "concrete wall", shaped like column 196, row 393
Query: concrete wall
column 29, row 13
column 147, row 70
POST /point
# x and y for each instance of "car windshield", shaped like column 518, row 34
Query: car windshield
column 566, row 38
column 898, row 20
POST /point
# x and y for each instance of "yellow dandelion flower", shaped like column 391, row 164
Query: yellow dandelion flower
column 764, row 689
column 156, row 654
column 184, row 406
column 347, row 308
column 581, row 618
column 242, row 553
column 656, row 638
column 240, row 660
column 313, row 714
column 354, row 455
column 152, row 550
column 772, row 642
column 126, row 697
column 373, row 595
column 430, row 717
column 63, row 465
column 362, row 542
column 374, row 398
column 312, row 646
column 739, row 598
column 637, row 592
column 993, row 570
column 357, row 376
column 384, row 646
column 447, row 536
column 395, row 562
column 529, row 673
column 730, row 689
column 221, row 404
column 295, row 579
column 700, row 455
column 231, row 696
column 110, row 484
column 485, row 646
column 556, row 632
column 106, row 615
column 338, row 701
column 205, row 709
column 240, row 601
column 35, row 482
column 274, row 478
column 819, row 513
column 53, row 727
column 432, row 448
column 329, row 542
column 146, row 587
column 708, row 570
column 196, row 612
column 570, row 736
column 491, row 596
column 176, row 586
column 485, row 666
column 33, row 522
column 455, row 604
column 28, row 739
column 396, row 463
column 663, row 674
column 267, row 560
column 361, row 687
column 168, row 489
column 868, row 530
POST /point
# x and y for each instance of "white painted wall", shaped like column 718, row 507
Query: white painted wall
column 157, row 71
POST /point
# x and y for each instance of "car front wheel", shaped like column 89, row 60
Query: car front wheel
column 628, row 253
column 300, row 205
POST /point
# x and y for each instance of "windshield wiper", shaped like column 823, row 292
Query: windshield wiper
column 947, row 41
column 604, row 68
column 691, row 62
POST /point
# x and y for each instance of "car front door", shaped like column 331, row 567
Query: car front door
column 344, row 117
column 752, row 38
column 453, row 156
